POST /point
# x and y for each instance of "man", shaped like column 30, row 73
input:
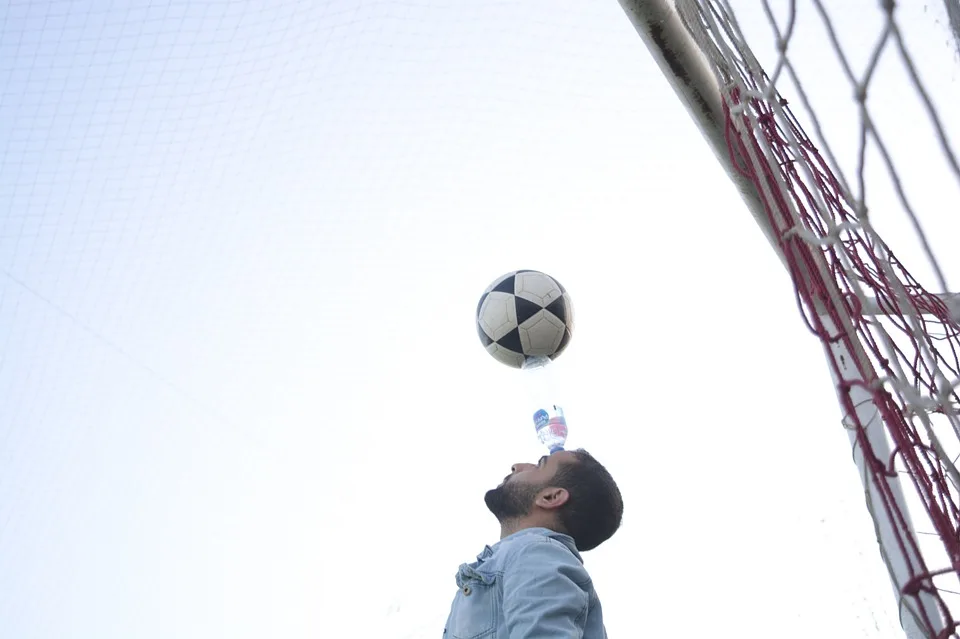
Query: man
column 532, row 584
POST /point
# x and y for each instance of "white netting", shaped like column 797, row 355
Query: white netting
column 871, row 84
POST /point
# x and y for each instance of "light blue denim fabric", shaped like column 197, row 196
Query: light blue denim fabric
column 529, row 585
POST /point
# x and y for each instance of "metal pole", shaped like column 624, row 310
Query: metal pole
column 676, row 52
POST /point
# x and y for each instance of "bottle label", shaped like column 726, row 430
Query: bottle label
column 541, row 418
column 558, row 426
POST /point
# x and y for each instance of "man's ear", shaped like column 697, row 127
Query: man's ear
column 552, row 498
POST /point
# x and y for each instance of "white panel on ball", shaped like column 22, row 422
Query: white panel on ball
column 498, row 314
column 537, row 287
column 541, row 334
column 506, row 356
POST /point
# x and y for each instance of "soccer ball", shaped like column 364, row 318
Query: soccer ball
column 524, row 314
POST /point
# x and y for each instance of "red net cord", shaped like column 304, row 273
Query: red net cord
column 854, row 258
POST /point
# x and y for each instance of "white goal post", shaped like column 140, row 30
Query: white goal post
column 737, row 107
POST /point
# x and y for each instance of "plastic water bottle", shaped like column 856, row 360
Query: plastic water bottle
column 549, row 421
column 551, row 427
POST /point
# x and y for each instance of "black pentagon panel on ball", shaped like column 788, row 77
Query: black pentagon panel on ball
column 483, row 298
column 526, row 309
column 512, row 341
column 559, row 308
column 507, row 285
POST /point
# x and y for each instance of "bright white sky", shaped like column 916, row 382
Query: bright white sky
column 241, row 244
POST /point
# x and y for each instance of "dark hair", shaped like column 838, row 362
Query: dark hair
column 595, row 508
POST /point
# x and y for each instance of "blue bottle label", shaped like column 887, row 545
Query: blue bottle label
column 541, row 418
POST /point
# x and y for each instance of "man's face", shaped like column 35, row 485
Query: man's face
column 515, row 496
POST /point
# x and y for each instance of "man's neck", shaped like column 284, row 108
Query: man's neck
column 509, row 527
column 512, row 526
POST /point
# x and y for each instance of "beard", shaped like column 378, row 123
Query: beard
column 511, row 501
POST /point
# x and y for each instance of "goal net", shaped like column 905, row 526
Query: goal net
column 830, row 121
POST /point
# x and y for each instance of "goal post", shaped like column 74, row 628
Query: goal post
column 680, row 60
column 891, row 346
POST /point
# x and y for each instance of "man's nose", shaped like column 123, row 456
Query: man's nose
column 519, row 467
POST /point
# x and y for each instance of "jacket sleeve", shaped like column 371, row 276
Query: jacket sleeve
column 544, row 593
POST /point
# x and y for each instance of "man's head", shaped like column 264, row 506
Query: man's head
column 569, row 492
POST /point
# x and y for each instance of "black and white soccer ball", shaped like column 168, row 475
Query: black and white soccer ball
column 524, row 314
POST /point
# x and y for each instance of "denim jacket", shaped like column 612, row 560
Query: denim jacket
column 529, row 585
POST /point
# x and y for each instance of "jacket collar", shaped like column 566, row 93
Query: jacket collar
column 566, row 540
